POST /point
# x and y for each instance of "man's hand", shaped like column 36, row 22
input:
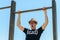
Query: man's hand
column 44, row 9
column 19, row 12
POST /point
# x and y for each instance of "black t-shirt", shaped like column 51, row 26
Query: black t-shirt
column 33, row 34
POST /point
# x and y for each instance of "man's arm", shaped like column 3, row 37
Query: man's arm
column 19, row 23
column 46, row 19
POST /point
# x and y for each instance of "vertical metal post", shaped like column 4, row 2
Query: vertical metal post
column 54, row 15
column 12, row 21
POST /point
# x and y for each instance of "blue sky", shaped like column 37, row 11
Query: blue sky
column 25, row 17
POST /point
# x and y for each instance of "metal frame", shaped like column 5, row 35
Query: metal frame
column 38, row 9
column 5, row 7
column 54, row 18
column 12, row 18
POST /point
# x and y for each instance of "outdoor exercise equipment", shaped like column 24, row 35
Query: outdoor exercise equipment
column 12, row 18
column 5, row 7
column 38, row 9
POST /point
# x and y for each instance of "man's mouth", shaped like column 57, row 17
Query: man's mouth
column 32, row 26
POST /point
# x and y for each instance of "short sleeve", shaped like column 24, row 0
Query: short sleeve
column 25, row 30
column 40, row 30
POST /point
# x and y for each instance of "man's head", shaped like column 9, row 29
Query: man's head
column 33, row 23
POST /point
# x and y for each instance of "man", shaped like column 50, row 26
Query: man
column 33, row 34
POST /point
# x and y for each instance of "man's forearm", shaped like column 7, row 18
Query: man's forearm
column 46, row 17
column 18, row 21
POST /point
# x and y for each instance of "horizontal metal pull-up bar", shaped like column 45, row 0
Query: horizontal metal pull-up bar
column 33, row 10
column 5, row 7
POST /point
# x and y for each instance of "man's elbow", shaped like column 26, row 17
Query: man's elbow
column 18, row 24
column 46, row 23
